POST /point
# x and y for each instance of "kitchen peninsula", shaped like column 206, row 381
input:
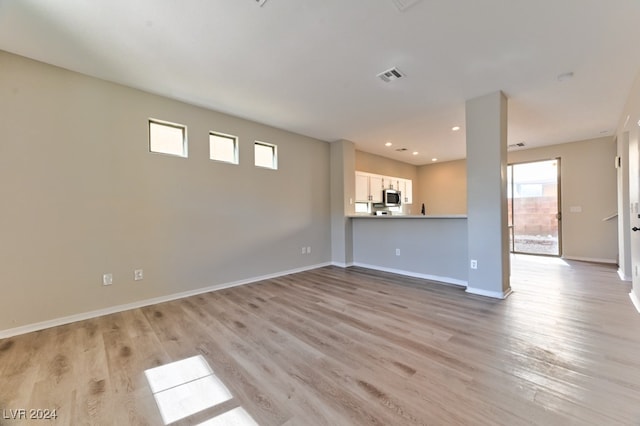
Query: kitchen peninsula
column 430, row 247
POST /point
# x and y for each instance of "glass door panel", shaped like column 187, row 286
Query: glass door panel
column 534, row 219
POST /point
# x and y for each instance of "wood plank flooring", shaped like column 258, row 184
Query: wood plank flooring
column 351, row 347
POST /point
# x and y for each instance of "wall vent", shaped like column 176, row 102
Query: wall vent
column 390, row 75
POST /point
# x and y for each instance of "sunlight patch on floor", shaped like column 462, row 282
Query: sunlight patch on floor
column 543, row 260
column 185, row 387
column 236, row 417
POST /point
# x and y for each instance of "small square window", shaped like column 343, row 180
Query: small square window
column 266, row 155
column 223, row 147
column 168, row 138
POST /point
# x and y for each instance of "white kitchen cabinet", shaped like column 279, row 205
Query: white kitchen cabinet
column 362, row 188
column 376, row 185
column 369, row 187
column 406, row 187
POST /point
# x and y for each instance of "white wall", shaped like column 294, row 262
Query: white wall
column 629, row 130
column 82, row 196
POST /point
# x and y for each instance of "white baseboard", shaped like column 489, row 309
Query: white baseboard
column 591, row 259
column 142, row 303
column 342, row 265
column 437, row 278
column 492, row 294
column 623, row 276
column 636, row 301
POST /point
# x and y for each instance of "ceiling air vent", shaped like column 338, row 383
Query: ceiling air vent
column 403, row 5
column 390, row 75
column 516, row 145
column 401, row 149
column 261, row 2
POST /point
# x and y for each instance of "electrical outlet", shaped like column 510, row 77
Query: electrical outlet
column 138, row 274
column 107, row 279
column 474, row 264
column 397, row 252
column 304, row 250
column 308, row 249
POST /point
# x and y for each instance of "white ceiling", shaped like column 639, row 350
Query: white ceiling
column 310, row 66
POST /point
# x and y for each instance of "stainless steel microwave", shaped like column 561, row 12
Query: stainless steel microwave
column 391, row 198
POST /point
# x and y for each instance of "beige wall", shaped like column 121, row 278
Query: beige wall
column 82, row 196
column 442, row 187
column 371, row 163
column 588, row 181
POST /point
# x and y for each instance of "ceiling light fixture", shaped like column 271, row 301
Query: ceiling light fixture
column 434, row 159
column 415, row 152
column 455, row 128
column 388, row 144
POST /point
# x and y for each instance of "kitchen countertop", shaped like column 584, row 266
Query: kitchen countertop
column 400, row 216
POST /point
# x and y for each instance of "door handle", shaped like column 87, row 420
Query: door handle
column 634, row 229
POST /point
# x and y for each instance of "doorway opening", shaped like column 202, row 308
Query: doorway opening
column 534, row 207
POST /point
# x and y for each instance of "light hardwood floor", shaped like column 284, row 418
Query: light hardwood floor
column 349, row 347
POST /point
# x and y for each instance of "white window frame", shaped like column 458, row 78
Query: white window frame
column 182, row 127
column 236, row 157
column 274, row 155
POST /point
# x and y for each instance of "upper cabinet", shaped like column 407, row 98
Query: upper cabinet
column 369, row 187
column 406, row 187
column 362, row 187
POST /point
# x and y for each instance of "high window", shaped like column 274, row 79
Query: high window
column 266, row 155
column 223, row 147
column 167, row 138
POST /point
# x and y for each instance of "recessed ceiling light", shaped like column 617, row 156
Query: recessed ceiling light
column 455, row 128
column 565, row 76
column 388, row 144
column 415, row 152
column 434, row 159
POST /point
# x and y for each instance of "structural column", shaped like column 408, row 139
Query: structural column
column 343, row 154
column 488, row 237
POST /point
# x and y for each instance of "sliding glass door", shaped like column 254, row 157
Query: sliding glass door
column 534, row 207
